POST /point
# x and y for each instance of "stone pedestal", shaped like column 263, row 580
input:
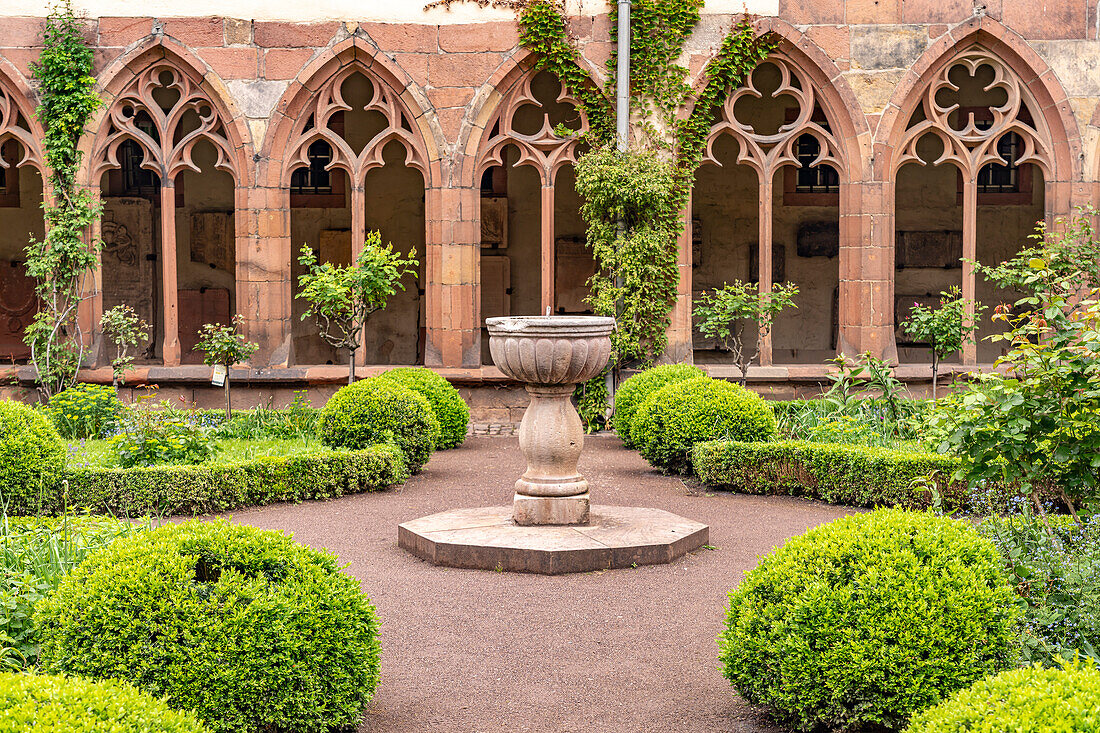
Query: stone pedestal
column 551, row 355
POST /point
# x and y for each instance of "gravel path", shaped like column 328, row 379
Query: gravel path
column 468, row 651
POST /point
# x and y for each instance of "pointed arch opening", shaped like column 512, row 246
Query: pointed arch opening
column 21, row 188
column 525, row 169
column 971, row 172
column 767, row 208
column 354, row 163
column 168, row 161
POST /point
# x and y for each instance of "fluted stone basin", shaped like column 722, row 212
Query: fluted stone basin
column 551, row 355
column 550, row 527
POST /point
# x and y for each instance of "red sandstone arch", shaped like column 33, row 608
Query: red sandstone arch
column 1045, row 95
column 17, row 99
column 161, row 50
column 423, row 142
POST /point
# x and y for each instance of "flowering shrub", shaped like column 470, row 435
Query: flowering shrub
column 85, row 411
column 151, row 436
column 1056, row 574
column 844, row 429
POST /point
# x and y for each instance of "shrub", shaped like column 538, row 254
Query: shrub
column 48, row 704
column 862, row 622
column 244, row 627
column 681, row 414
column 450, row 410
column 32, row 459
column 213, row 488
column 633, row 392
column 853, row 475
column 1029, row 700
column 85, row 411
column 373, row 411
column 35, row 554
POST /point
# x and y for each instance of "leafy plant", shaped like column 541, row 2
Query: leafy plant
column 376, row 410
column 1031, row 699
column 341, row 299
column 677, row 416
column 862, row 622
column 1057, row 578
column 32, row 459
column 60, row 264
column 85, row 411
column 447, row 404
column 223, row 346
column 152, row 436
column 867, row 374
column 35, row 554
column 1034, row 420
column 125, row 329
column 634, row 391
column 727, row 312
column 945, row 329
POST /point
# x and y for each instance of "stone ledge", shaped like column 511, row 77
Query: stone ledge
column 486, row 538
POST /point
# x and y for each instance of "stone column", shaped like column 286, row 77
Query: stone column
column 548, row 257
column 970, row 254
column 170, row 349
column 264, row 256
column 452, row 276
column 679, row 349
column 764, row 259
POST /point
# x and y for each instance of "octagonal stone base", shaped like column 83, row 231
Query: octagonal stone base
column 487, row 538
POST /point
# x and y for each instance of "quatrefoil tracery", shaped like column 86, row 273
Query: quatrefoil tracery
column 169, row 143
column 767, row 152
column 10, row 129
column 544, row 150
column 966, row 144
column 328, row 102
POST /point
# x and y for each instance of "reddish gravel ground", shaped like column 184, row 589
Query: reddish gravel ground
column 468, row 651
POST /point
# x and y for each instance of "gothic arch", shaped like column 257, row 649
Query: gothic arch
column 162, row 98
column 315, row 93
column 1020, row 70
column 127, row 87
column 1024, row 103
column 17, row 117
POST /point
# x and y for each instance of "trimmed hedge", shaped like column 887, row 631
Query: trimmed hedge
column 244, row 627
column 1030, row 700
column 862, row 622
column 373, row 411
column 634, row 391
column 447, row 403
column 32, row 459
column 854, row 475
column 210, row 488
column 52, row 704
column 679, row 415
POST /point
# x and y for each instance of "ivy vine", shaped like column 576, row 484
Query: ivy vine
column 61, row 263
column 633, row 199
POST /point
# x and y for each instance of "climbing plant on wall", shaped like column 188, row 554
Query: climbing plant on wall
column 62, row 262
column 633, row 198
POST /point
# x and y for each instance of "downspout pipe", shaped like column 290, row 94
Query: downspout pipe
column 622, row 139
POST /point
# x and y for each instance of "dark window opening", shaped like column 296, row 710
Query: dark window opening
column 313, row 180
column 810, row 178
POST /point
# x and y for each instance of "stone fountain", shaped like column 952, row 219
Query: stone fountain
column 551, row 526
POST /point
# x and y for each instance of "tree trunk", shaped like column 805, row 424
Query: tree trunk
column 935, row 364
column 228, row 403
column 351, row 366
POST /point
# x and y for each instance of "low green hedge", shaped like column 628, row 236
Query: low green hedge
column 205, row 489
column 854, row 475
column 55, row 704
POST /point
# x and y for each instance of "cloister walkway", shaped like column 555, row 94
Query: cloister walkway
column 467, row 651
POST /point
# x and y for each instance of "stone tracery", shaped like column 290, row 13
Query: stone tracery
column 768, row 149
